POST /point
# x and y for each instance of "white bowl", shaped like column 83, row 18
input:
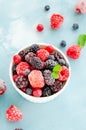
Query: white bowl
column 39, row 99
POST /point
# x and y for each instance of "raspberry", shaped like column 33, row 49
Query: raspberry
column 49, row 80
column 29, row 56
column 21, row 81
column 49, row 48
column 2, row 87
column 74, row 51
column 13, row 113
column 36, row 63
column 56, row 86
column 46, row 91
column 63, row 74
column 21, row 67
column 16, row 59
column 37, row 92
column 23, row 53
column 36, row 79
column 40, row 27
column 34, row 48
column 42, row 54
column 56, row 21
column 15, row 77
column 50, row 64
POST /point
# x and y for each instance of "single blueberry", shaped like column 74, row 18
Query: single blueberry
column 63, row 43
column 47, row 7
column 75, row 26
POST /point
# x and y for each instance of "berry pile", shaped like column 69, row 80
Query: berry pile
column 39, row 71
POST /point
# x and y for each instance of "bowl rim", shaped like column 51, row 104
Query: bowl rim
column 39, row 98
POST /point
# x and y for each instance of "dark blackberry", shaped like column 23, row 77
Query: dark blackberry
column 56, row 86
column 52, row 57
column 36, row 63
column 75, row 26
column 29, row 56
column 34, row 48
column 18, row 129
column 47, row 7
column 23, row 53
column 14, row 69
column 63, row 43
column 29, row 91
column 21, row 82
column 50, row 64
column 58, row 55
column 49, row 80
column 46, row 91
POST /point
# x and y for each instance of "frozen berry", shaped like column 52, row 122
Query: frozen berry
column 49, row 48
column 56, row 21
column 21, row 82
column 52, row 57
column 29, row 56
column 36, row 63
column 62, row 62
column 21, row 67
column 15, row 77
column 26, row 72
column 29, row 91
column 47, row 7
column 58, row 55
column 23, row 53
column 2, row 87
column 75, row 26
column 13, row 113
column 40, row 27
column 63, row 43
column 63, row 74
column 36, row 79
column 42, row 54
column 46, row 91
column 56, row 86
column 50, row 64
column 37, row 92
column 17, row 59
column 74, row 51
column 34, row 48
column 49, row 80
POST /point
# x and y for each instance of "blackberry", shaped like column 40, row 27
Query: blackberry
column 14, row 69
column 29, row 56
column 58, row 56
column 34, row 48
column 47, row 7
column 52, row 57
column 29, row 91
column 56, row 86
column 50, row 64
column 46, row 91
column 23, row 53
column 75, row 26
column 21, row 82
column 36, row 63
column 63, row 43
column 49, row 80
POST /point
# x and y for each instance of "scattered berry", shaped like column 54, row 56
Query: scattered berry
column 63, row 43
column 47, row 7
column 49, row 80
column 36, row 79
column 63, row 74
column 40, row 27
column 29, row 91
column 74, row 51
column 56, row 21
column 36, row 63
column 56, row 86
column 75, row 26
column 42, row 54
column 13, row 113
column 17, row 59
column 52, row 57
column 46, row 91
column 50, row 64
column 37, row 92
column 21, row 82
column 49, row 48
column 26, row 72
column 29, row 56
column 15, row 77
column 34, row 48
column 2, row 87
column 23, row 53
column 21, row 67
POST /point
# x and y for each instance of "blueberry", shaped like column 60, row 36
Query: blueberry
column 75, row 26
column 47, row 7
column 62, row 62
column 63, row 43
column 26, row 72
column 29, row 91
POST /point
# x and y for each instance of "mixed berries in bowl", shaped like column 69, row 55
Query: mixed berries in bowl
column 39, row 72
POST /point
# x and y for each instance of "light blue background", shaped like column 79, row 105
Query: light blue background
column 18, row 20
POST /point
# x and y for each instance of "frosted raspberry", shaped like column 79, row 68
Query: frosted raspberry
column 74, row 51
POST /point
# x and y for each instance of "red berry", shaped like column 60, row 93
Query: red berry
column 49, row 48
column 15, row 77
column 13, row 113
column 40, row 27
column 16, row 59
column 37, row 92
column 42, row 54
column 74, row 51
column 2, row 87
column 21, row 67
column 36, row 79
column 63, row 74
column 56, row 21
column 24, row 89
